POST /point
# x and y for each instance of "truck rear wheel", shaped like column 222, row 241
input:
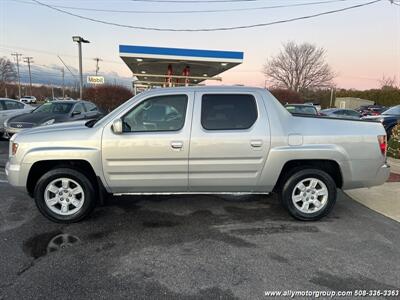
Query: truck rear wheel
column 65, row 195
column 309, row 194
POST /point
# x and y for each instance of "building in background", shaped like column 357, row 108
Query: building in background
column 351, row 103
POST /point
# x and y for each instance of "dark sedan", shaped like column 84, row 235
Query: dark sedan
column 371, row 110
column 53, row 112
column 389, row 118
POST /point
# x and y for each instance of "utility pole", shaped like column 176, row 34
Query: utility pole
column 17, row 55
column 80, row 40
column 332, row 90
column 29, row 60
column 63, row 83
column 97, row 64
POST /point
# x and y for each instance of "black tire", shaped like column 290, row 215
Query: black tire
column 295, row 178
column 87, row 187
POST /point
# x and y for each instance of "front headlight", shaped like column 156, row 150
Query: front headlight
column 49, row 122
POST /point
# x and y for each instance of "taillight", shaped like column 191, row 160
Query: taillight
column 382, row 143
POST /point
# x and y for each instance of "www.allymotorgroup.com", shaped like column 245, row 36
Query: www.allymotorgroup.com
column 333, row 294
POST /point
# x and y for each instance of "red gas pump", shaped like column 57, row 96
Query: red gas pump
column 168, row 79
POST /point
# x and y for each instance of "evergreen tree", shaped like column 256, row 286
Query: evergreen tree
column 394, row 143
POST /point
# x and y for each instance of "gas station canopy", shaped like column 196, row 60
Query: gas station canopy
column 159, row 66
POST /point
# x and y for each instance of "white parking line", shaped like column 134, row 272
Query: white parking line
column 3, row 181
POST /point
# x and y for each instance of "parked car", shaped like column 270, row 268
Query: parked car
column 28, row 99
column 302, row 109
column 240, row 140
column 371, row 110
column 10, row 108
column 52, row 112
column 389, row 118
column 341, row 113
column 49, row 99
column 315, row 104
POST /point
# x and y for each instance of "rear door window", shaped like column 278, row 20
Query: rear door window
column 228, row 111
column 13, row 105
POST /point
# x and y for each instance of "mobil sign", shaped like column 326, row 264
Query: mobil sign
column 95, row 79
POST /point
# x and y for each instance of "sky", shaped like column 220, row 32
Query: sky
column 362, row 44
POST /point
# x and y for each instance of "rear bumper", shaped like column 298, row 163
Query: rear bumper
column 382, row 175
column 365, row 178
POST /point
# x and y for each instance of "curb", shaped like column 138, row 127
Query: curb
column 394, row 165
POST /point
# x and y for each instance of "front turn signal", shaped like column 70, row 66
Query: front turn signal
column 14, row 148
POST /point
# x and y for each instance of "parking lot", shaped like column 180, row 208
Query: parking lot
column 191, row 247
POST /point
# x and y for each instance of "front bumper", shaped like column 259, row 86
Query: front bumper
column 17, row 175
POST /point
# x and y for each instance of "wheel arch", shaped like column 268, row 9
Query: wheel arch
column 39, row 168
column 329, row 166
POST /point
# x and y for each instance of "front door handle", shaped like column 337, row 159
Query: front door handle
column 256, row 143
column 177, row 145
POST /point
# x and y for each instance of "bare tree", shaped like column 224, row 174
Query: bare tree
column 388, row 82
column 299, row 67
column 7, row 71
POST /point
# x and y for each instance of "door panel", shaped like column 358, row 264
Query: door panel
column 227, row 160
column 148, row 161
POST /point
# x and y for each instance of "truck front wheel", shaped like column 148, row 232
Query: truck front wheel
column 64, row 195
column 309, row 194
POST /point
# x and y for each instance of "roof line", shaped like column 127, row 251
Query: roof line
column 180, row 52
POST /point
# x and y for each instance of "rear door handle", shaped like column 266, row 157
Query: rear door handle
column 256, row 143
column 177, row 145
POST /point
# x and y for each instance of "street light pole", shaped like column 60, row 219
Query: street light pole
column 80, row 40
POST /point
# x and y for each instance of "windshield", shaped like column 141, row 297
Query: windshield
column 55, row 108
column 395, row 110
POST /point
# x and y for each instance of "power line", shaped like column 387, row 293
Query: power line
column 196, row 1
column 207, row 29
column 3, row 46
column 190, row 11
column 67, row 67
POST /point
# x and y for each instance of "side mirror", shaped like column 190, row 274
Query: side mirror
column 117, row 126
column 75, row 113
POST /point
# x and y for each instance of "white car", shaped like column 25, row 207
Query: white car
column 28, row 99
column 10, row 108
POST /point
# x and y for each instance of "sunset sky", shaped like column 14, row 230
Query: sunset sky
column 362, row 44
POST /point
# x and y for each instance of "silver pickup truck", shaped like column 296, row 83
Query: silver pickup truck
column 197, row 140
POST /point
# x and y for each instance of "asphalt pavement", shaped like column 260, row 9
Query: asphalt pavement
column 192, row 247
column 3, row 153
